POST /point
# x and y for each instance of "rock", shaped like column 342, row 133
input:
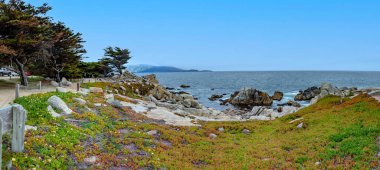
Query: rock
column 96, row 90
column 249, row 97
column 264, row 113
column 327, row 88
column 115, row 103
column 295, row 120
column 195, row 104
column 315, row 99
column 54, row 83
column 182, row 92
column 84, row 92
column 169, row 88
column 246, row 131
column 59, row 104
column 97, row 104
column 279, row 109
column 287, row 110
column 152, row 132
column 184, row 86
column 317, row 163
column 90, row 160
column 257, row 110
column 293, row 103
column 52, row 112
column 28, row 127
column 186, row 96
column 215, row 97
column 308, row 94
column 64, row 81
column 80, row 101
column 187, row 103
column 69, row 84
column 212, row 136
column 62, row 90
column 137, row 91
column 161, row 93
column 300, row 125
column 123, row 88
column 221, row 129
column 277, row 95
column 151, row 78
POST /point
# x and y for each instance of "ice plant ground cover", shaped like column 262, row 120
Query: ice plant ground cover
column 333, row 135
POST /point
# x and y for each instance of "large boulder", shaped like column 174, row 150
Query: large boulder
column 308, row 94
column 249, row 97
column 277, row 95
column 59, row 104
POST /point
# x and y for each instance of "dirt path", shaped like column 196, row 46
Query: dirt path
column 7, row 95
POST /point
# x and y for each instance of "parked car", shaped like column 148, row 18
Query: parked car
column 5, row 72
column 14, row 73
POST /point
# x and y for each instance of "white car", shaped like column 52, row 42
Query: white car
column 7, row 72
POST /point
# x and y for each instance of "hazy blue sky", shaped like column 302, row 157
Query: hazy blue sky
column 231, row 35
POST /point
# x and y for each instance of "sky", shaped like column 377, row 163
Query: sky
column 230, row 35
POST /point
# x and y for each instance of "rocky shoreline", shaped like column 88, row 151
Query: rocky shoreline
column 182, row 109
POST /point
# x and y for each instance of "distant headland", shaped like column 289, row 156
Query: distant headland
column 144, row 68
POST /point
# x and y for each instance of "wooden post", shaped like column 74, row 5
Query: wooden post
column 1, row 139
column 40, row 85
column 78, row 86
column 17, row 95
column 19, row 118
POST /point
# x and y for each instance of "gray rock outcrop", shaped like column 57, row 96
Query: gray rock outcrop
column 307, row 94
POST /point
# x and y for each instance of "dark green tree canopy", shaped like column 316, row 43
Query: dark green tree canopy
column 63, row 50
column 117, row 58
column 22, row 31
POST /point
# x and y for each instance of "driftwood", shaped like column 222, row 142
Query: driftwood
column 12, row 119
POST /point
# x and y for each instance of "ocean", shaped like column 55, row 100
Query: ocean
column 204, row 84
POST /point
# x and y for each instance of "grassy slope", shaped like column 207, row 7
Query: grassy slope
column 337, row 135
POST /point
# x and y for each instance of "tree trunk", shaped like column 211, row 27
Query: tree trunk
column 23, row 77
